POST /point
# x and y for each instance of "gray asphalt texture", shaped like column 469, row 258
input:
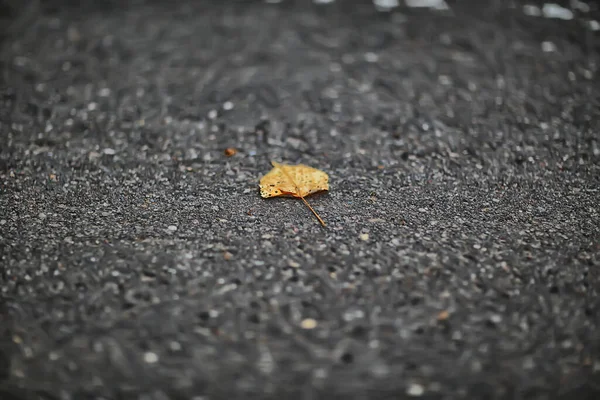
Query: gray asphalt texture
column 462, row 247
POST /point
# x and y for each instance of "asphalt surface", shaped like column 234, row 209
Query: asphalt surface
column 462, row 247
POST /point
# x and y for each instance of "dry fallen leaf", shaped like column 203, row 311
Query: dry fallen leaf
column 294, row 181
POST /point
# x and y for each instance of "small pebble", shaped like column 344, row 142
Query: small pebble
column 109, row 152
column 580, row 5
column 172, row 228
column 308, row 323
column 442, row 316
column 528, row 363
column 371, row 57
column 435, row 4
column 386, row 4
column 548, row 47
column 150, row 357
column 531, row 10
column 444, row 80
column 415, row 390
column 551, row 10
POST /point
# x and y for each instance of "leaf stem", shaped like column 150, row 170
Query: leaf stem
column 313, row 211
column 277, row 165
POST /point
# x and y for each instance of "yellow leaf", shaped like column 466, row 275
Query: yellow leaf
column 294, row 181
